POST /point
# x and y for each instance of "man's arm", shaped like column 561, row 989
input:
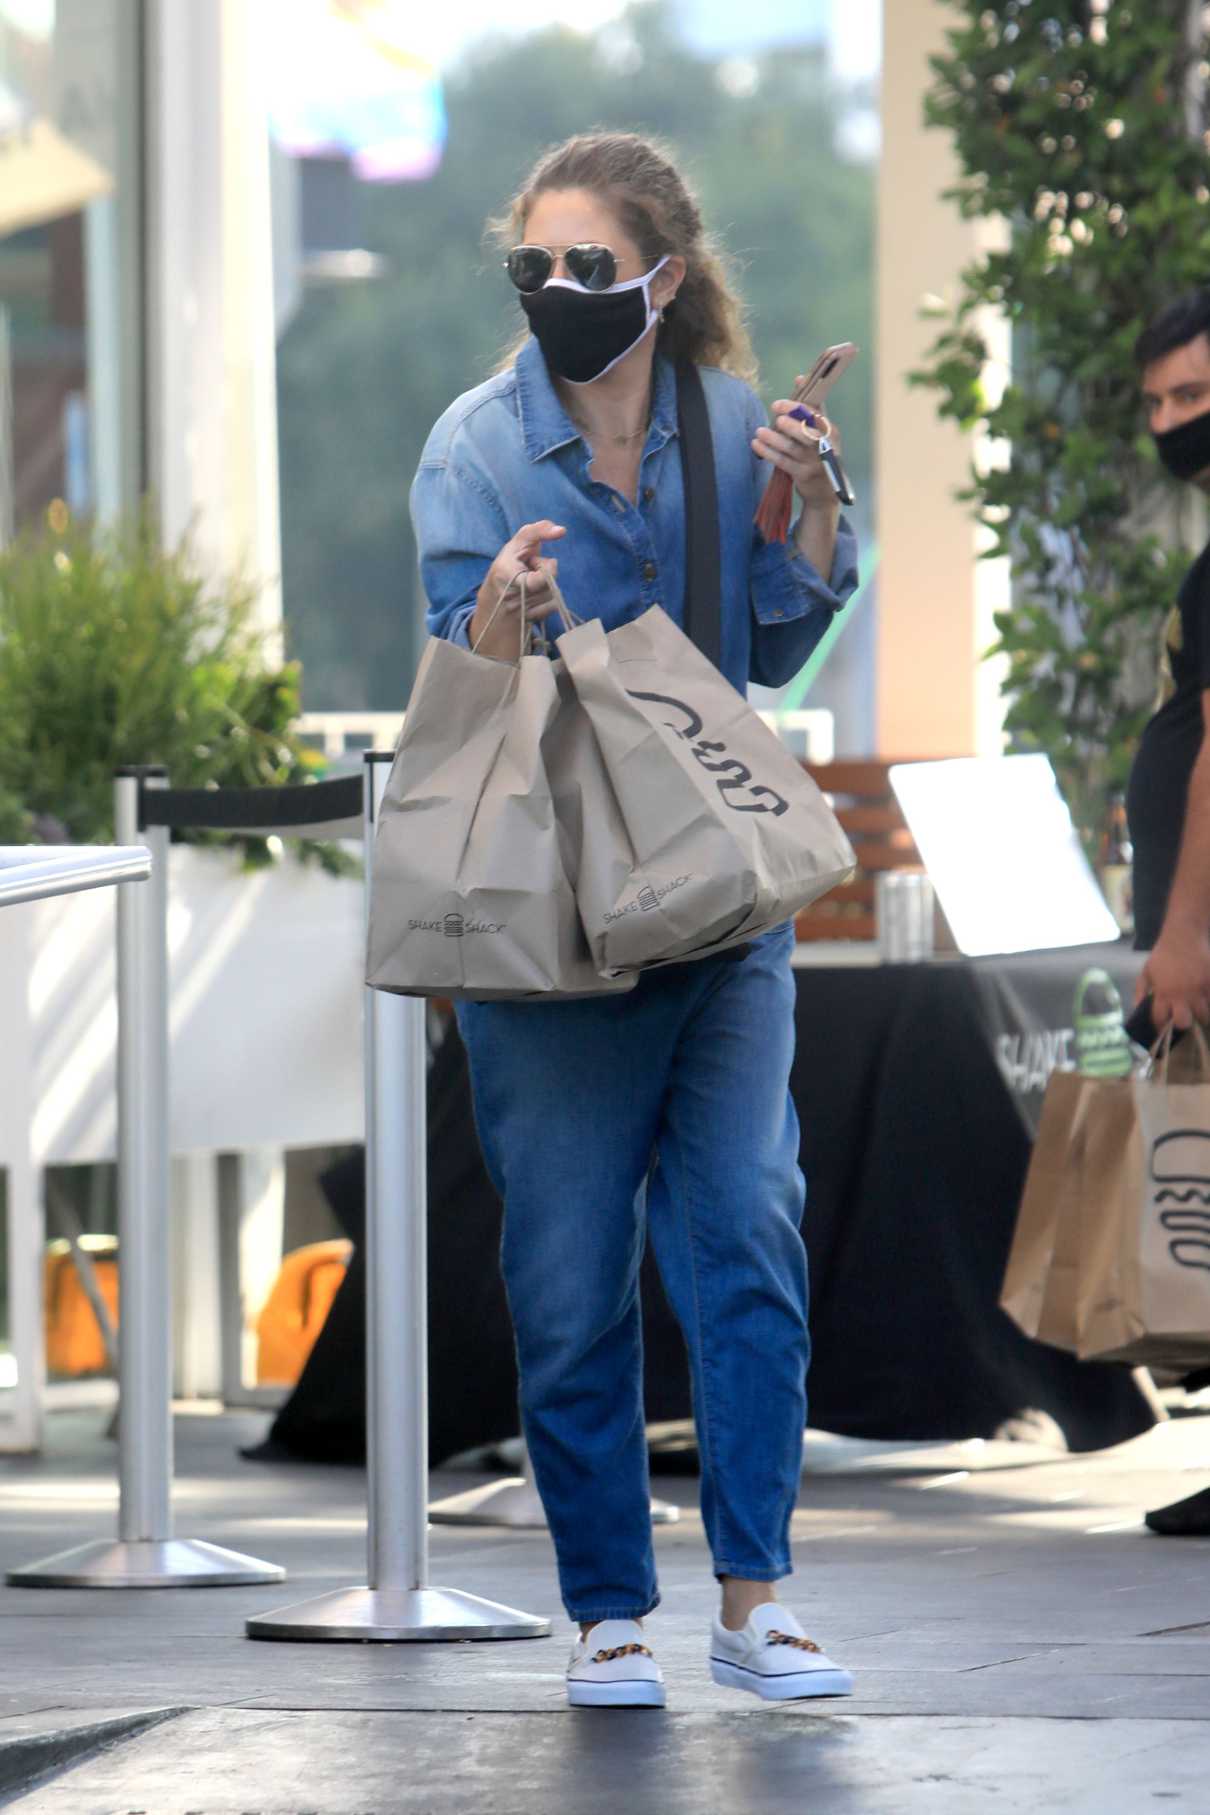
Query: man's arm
column 1177, row 972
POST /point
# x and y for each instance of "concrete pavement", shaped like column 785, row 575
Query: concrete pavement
column 1020, row 1642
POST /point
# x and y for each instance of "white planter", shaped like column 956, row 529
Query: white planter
column 266, row 992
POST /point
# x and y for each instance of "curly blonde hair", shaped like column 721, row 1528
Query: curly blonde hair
column 637, row 179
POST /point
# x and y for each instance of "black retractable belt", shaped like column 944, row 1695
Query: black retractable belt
column 703, row 595
column 291, row 808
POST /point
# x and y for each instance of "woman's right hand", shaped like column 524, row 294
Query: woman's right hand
column 494, row 629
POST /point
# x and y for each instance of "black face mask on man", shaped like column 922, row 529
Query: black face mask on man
column 1185, row 451
column 584, row 333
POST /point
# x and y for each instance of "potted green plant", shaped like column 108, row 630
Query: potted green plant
column 114, row 650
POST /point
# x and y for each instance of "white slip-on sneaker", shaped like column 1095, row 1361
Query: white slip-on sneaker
column 613, row 1668
column 772, row 1657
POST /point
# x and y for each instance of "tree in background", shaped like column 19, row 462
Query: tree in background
column 365, row 371
column 1081, row 123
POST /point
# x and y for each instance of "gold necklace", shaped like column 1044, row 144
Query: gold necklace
column 605, row 435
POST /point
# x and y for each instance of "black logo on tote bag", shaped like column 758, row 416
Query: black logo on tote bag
column 1180, row 1168
column 731, row 777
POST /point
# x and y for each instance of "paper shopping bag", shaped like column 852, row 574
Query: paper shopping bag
column 471, row 894
column 717, row 833
column 1041, row 1281
column 1145, row 1214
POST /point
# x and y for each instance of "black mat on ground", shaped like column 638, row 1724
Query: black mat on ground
column 915, row 1152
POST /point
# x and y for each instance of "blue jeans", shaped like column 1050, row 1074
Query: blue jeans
column 681, row 1087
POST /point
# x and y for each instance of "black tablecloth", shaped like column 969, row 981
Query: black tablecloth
column 917, row 1088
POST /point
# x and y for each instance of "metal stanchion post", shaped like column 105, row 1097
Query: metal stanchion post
column 515, row 1502
column 397, row 1604
column 145, row 1555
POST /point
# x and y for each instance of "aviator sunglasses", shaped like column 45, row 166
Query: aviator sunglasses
column 593, row 267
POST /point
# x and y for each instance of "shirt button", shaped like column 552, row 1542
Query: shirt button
column 648, row 493
column 649, row 570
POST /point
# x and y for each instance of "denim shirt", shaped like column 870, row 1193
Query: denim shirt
column 507, row 453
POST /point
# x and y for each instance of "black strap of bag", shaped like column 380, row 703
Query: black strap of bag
column 703, row 595
column 703, row 562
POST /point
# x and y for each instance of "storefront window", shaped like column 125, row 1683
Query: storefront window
column 70, row 340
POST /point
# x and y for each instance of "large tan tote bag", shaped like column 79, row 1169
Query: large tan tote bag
column 472, row 896
column 717, row 832
column 1145, row 1212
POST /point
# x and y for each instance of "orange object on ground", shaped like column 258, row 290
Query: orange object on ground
column 74, row 1343
column 296, row 1309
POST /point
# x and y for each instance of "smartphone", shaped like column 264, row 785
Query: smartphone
column 832, row 364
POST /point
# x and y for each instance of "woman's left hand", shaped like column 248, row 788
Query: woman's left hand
column 794, row 447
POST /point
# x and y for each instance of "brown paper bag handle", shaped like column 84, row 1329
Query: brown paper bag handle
column 525, row 631
column 522, row 578
column 567, row 617
column 566, row 614
column 1161, row 1052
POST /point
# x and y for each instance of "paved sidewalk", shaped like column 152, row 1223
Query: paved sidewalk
column 1020, row 1643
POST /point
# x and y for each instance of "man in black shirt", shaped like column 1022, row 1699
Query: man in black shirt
column 1168, row 801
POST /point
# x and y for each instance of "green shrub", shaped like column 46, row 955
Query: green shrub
column 1082, row 126
column 115, row 651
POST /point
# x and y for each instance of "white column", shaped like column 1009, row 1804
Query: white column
column 21, row 1406
column 212, row 382
column 196, row 1274
column 261, row 1243
column 935, row 695
column 249, row 316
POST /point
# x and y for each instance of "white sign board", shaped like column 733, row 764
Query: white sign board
column 996, row 838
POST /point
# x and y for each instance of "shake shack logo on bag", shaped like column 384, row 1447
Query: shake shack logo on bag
column 455, row 926
column 648, row 897
column 734, row 780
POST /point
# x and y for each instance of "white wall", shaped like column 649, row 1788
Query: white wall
column 935, row 695
column 212, row 379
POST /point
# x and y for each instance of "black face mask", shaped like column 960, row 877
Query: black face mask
column 1186, row 451
column 584, row 333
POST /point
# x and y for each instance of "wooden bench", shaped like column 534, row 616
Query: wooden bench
column 861, row 795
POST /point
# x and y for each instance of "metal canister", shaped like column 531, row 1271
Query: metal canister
column 904, row 909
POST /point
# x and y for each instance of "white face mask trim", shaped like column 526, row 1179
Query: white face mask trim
column 632, row 283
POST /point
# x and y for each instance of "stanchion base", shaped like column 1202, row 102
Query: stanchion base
column 146, row 1563
column 397, row 1616
column 514, row 1503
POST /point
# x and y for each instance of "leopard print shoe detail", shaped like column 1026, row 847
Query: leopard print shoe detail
column 613, row 1668
column 772, row 1657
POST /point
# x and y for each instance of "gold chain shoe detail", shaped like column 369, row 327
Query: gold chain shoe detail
column 607, row 1657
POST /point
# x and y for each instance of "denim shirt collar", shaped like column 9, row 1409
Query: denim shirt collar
column 545, row 424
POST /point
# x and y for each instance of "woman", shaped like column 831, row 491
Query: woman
column 667, row 1110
